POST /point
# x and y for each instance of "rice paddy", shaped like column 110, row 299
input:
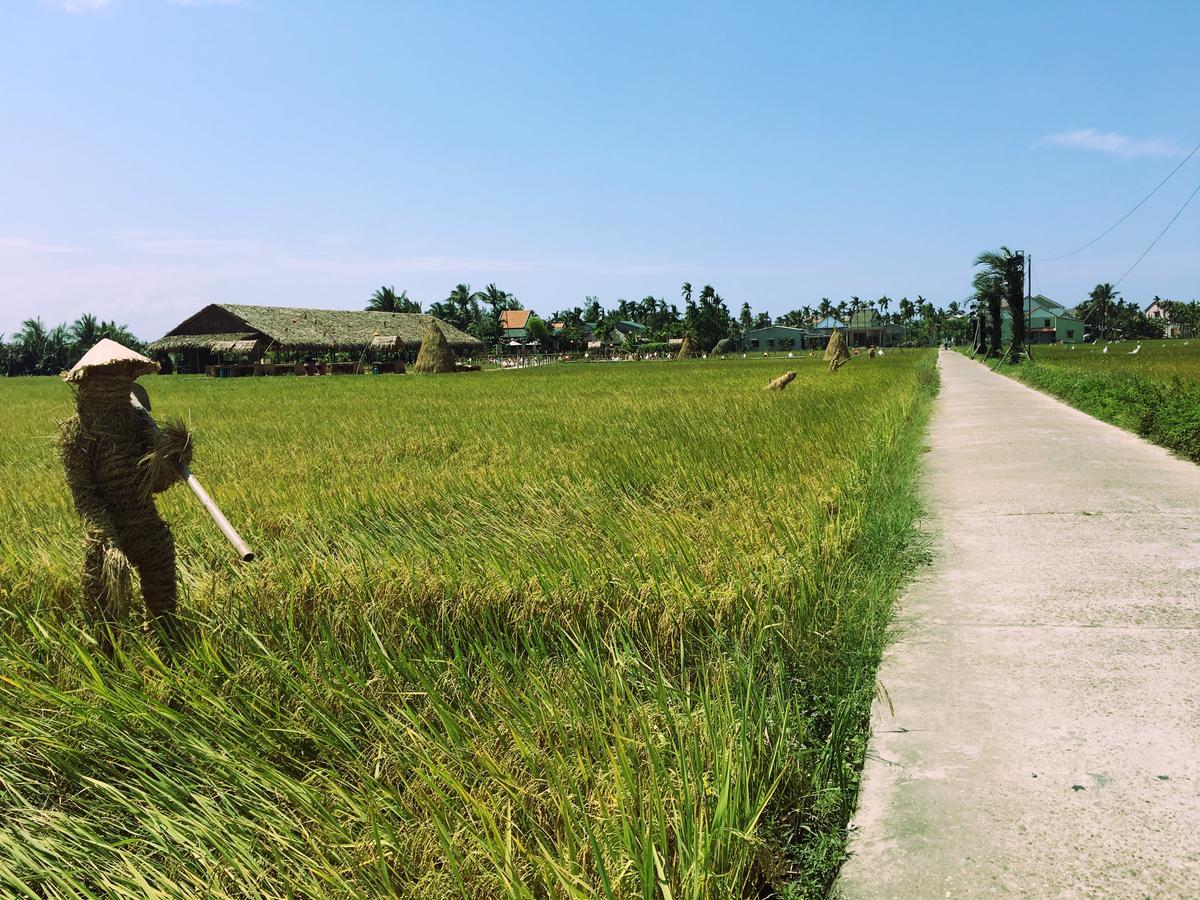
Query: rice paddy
column 577, row 631
column 1153, row 392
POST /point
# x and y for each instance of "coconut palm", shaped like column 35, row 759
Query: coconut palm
column 1101, row 307
column 462, row 297
column 1007, row 270
column 115, row 331
column 85, row 332
column 989, row 291
column 385, row 299
column 979, row 338
column 499, row 301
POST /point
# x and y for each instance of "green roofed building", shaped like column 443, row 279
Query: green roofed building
column 1047, row 322
column 255, row 331
column 773, row 337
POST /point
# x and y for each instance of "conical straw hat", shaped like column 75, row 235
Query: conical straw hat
column 110, row 358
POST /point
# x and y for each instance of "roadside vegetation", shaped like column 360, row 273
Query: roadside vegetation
column 583, row 631
column 1154, row 392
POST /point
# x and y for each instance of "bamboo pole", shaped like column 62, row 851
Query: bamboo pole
column 210, row 505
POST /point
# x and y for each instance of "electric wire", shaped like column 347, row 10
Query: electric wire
column 1128, row 214
column 1191, row 196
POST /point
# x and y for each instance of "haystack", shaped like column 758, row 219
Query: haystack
column 724, row 345
column 685, row 349
column 836, row 351
column 435, row 355
column 781, row 382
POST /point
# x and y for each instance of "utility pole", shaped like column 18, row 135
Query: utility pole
column 1029, row 305
column 1017, row 271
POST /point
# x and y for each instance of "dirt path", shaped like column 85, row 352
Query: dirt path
column 1046, row 682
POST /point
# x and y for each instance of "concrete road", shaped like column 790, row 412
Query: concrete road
column 1045, row 681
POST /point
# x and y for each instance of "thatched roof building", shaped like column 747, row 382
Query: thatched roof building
column 225, row 327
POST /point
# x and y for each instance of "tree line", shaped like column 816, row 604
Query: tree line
column 704, row 316
column 39, row 350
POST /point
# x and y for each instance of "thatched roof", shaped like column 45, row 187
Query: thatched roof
column 298, row 328
column 171, row 342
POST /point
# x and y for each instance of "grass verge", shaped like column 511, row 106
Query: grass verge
column 1153, row 392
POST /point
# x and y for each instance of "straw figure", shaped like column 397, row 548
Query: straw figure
column 781, row 382
column 116, row 460
column 836, row 352
column 685, row 349
column 435, row 355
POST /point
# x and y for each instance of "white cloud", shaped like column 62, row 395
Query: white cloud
column 25, row 245
column 78, row 6
column 86, row 6
column 1113, row 143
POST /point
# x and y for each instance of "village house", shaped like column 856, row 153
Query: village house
column 1046, row 322
column 1160, row 313
column 774, row 337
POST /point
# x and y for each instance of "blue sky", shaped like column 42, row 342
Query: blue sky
column 160, row 155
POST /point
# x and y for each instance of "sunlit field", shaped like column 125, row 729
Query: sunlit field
column 1154, row 391
column 1155, row 359
column 585, row 630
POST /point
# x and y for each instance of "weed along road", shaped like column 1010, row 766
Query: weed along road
column 1046, row 677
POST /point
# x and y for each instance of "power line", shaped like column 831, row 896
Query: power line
column 1128, row 214
column 1160, row 234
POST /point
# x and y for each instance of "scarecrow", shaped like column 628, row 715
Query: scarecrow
column 116, row 460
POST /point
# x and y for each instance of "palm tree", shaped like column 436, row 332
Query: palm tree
column 85, row 332
column 383, row 300
column 989, row 290
column 979, row 338
column 115, row 331
column 29, row 346
column 1100, row 306
column 498, row 300
column 1007, row 271
column 387, row 300
column 462, row 297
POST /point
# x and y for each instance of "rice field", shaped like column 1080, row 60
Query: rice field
column 1153, row 392
column 1158, row 358
column 577, row 631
